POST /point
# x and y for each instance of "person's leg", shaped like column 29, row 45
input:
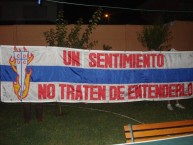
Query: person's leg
column 27, row 112
column 179, row 105
column 39, row 112
column 169, row 106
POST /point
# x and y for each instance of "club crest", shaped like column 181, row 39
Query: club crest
column 19, row 62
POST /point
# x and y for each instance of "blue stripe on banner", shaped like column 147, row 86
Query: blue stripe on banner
column 101, row 76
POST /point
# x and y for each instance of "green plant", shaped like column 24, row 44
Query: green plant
column 155, row 37
column 74, row 39
column 107, row 47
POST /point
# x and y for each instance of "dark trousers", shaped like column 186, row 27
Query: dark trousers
column 27, row 111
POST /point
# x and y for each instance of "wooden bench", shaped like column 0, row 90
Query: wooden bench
column 154, row 131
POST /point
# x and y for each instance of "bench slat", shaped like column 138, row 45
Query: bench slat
column 159, row 125
column 156, row 137
column 160, row 132
column 144, row 132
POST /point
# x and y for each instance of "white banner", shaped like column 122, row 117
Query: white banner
column 55, row 74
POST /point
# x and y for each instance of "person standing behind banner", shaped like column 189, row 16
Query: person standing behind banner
column 178, row 105
column 27, row 111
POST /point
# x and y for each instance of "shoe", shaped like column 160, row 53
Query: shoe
column 180, row 106
column 169, row 106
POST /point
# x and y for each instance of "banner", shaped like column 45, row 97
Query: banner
column 56, row 74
